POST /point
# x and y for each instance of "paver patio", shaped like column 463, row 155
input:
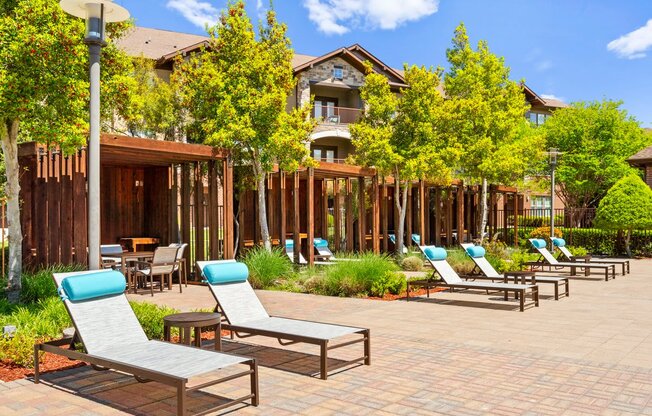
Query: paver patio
column 454, row 354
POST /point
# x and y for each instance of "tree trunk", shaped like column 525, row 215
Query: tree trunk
column 9, row 138
column 262, row 207
column 400, row 234
column 484, row 209
column 628, row 237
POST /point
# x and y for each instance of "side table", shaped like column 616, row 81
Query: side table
column 186, row 321
column 525, row 277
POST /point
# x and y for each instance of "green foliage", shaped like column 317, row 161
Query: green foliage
column 577, row 250
column 267, row 267
column 40, row 285
column 596, row 138
column 151, row 317
column 412, row 263
column 460, row 261
column 369, row 274
column 626, row 206
column 535, row 220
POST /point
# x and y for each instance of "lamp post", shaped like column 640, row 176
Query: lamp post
column 552, row 154
column 96, row 13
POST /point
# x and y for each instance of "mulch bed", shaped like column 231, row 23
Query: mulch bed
column 10, row 371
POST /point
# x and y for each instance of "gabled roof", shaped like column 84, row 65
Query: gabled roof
column 356, row 55
column 641, row 158
column 155, row 43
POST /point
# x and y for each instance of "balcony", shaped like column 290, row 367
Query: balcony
column 329, row 114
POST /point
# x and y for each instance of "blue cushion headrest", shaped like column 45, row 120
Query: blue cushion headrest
column 228, row 272
column 289, row 243
column 416, row 237
column 559, row 242
column 320, row 242
column 92, row 285
column 539, row 243
column 435, row 253
column 476, row 251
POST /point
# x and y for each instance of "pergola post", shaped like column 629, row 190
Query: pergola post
column 449, row 216
column 185, row 204
column 425, row 239
column 408, row 217
column 296, row 226
column 385, row 217
column 375, row 209
column 324, row 209
column 270, row 192
column 515, row 220
column 467, row 209
column 213, row 219
column 422, row 211
column 310, row 219
column 438, row 215
column 349, row 216
column 282, row 209
column 199, row 213
column 362, row 213
column 174, row 195
column 337, row 216
column 460, row 213
column 229, row 249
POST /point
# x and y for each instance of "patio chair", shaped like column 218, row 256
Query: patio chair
column 182, row 266
column 112, row 338
column 451, row 280
column 106, row 250
column 161, row 266
column 547, row 259
column 565, row 254
column 324, row 252
column 289, row 250
column 416, row 238
column 392, row 239
column 245, row 316
column 487, row 271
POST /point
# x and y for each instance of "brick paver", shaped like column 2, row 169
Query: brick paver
column 455, row 354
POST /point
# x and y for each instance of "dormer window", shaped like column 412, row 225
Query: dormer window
column 338, row 72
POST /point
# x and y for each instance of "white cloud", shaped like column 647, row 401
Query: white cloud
column 335, row 17
column 544, row 65
column 634, row 44
column 199, row 13
column 552, row 97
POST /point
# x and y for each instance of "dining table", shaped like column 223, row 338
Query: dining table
column 125, row 258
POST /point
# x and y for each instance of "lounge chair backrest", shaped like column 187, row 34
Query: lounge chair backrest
column 560, row 243
column 237, row 301
column 108, row 249
column 164, row 260
column 543, row 250
column 441, row 265
column 289, row 250
column 104, row 322
column 417, row 239
column 481, row 261
column 321, row 246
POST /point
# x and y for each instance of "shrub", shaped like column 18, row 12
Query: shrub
column 367, row 274
column 40, row 285
column 532, row 221
column 412, row 263
column 578, row 250
column 265, row 267
column 151, row 317
column 460, row 261
column 544, row 232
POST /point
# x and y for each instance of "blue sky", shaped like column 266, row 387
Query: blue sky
column 573, row 50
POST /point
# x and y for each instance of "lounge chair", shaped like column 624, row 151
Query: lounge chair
column 289, row 250
column 392, row 239
column 547, row 259
column 324, row 252
column 112, row 338
column 416, row 238
column 565, row 254
column 245, row 316
column 449, row 279
column 487, row 271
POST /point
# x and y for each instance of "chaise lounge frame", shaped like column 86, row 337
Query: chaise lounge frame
column 520, row 290
column 144, row 375
column 565, row 254
column 547, row 259
column 285, row 339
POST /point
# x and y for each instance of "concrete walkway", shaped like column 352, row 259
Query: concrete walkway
column 455, row 354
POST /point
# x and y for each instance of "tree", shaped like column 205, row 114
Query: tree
column 44, row 94
column 236, row 93
column 627, row 206
column 485, row 111
column 400, row 135
column 596, row 139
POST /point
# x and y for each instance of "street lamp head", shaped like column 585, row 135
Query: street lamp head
column 96, row 13
column 552, row 154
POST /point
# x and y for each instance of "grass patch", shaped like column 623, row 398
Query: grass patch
column 365, row 275
column 266, row 268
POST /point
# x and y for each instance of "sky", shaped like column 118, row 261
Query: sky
column 579, row 50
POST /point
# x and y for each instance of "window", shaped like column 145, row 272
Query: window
column 338, row 72
column 536, row 119
column 324, row 153
column 540, row 202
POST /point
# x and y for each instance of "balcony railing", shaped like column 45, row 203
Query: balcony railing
column 335, row 115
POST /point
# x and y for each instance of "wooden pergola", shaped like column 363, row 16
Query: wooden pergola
column 165, row 190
